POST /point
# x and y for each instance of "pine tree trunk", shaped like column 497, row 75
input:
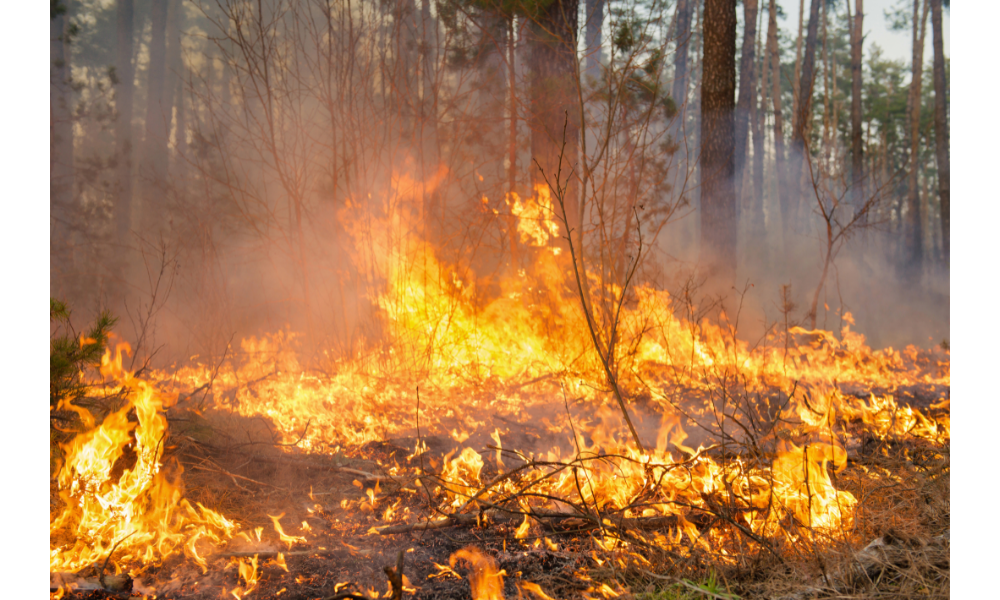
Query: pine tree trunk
column 857, row 149
column 153, row 174
column 780, row 168
column 797, row 73
column 827, row 90
column 718, row 102
column 180, row 126
column 512, row 234
column 512, row 105
column 123, row 123
column 61, row 178
column 679, row 92
column 912, row 263
column 748, row 88
column 175, row 85
column 553, row 97
column 941, row 133
column 683, row 28
column 800, row 145
column 430, row 156
column 757, row 233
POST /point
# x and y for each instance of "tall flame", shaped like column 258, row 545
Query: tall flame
column 139, row 514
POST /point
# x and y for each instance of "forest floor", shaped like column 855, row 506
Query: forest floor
column 898, row 546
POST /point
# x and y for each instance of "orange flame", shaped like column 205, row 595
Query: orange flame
column 486, row 581
column 138, row 514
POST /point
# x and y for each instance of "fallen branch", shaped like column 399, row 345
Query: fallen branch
column 266, row 554
column 234, row 476
column 336, row 469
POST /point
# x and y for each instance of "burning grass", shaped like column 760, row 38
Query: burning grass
column 482, row 441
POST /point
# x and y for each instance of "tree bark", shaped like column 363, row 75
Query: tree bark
column 158, row 109
column 718, row 102
column 913, row 247
column 802, row 116
column 123, row 123
column 748, row 88
column 941, row 133
column 857, row 148
column 61, row 178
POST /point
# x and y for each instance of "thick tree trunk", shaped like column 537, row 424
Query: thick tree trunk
column 800, row 145
column 941, row 133
column 123, row 123
column 61, row 180
column 554, row 100
column 595, row 24
column 913, row 247
column 748, row 88
column 718, row 102
column 857, row 149
column 780, row 168
column 153, row 174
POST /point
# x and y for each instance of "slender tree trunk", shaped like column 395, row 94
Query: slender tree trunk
column 800, row 145
column 512, row 234
column 913, row 249
column 857, row 149
column 718, row 102
column 679, row 92
column 757, row 233
column 780, row 168
column 680, row 86
column 123, row 123
column 512, row 106
column 827, row 90
column 748, row 88
column 595, row 24
column 61, row 178
column 175, row 85
column 941, row 133
column 158, row 107
column 797, row 73
column 696, row 70
column 180, row 126
column 430, row 156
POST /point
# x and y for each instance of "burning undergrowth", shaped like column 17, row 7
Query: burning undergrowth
column 478, row 449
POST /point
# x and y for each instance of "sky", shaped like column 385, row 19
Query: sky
column 894, row 44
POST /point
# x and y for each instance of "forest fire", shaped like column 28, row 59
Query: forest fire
column 449, row 299
column 739, row 442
